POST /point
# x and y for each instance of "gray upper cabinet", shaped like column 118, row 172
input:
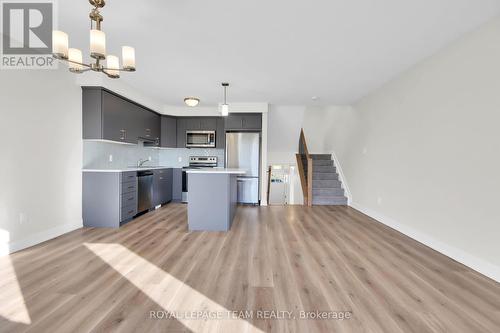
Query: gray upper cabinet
column 198, row 124
column 108, row 116
column 149, row 125
column 220, row 135
column 208, row 124
column 168, row 132
column 252, row 121
column 181, row 132
column 244, row 121
column 201, row 123
column 117, row 119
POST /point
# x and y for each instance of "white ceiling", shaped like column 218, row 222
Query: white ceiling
column 278, row 51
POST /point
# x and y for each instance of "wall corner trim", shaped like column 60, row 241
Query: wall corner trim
column 40, row 237
column 471, row 261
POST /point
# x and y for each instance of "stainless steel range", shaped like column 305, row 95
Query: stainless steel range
column 196, row 162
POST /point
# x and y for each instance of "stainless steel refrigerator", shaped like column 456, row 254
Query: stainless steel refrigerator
column 243, row 152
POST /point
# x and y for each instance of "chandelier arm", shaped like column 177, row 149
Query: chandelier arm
column 77, row 63
column 117, row 69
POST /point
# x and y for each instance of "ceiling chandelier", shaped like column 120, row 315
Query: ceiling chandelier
column 224, row 108
column 61, row 51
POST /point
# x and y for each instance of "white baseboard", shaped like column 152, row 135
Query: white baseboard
column 40, row 237
column 477, row 264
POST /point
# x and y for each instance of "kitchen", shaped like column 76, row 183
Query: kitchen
column 137, row 160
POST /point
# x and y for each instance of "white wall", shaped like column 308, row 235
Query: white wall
column 40, row 156
column 423, row 152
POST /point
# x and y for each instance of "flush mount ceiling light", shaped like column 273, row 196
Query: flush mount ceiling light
column 191, row 101
column 224, row 109
column 74, row 57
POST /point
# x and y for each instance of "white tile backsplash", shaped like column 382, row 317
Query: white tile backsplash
column 109, row 155
column 179, row 157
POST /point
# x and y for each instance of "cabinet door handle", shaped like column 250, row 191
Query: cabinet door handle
column 123, row 134
column 130, row 199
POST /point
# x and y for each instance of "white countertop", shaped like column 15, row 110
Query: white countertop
column 128, row 169
column 218, row 170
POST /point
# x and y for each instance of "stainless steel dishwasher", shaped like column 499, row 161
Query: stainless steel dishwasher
column 144, row 191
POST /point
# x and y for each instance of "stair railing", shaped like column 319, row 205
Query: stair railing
column 306, row 176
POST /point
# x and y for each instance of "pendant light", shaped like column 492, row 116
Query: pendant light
column 225, row 107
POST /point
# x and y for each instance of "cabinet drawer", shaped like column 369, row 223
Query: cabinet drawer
column 128, row 213
column 130, row 187
column 128, row 176
column 129, row 199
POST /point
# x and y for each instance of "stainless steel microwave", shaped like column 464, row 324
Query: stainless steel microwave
column 200, row 139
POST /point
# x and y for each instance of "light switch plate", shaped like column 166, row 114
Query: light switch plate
column 110, row 158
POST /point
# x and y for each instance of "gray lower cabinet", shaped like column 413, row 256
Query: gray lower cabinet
column 109, row 198
column 162, row 186
column 168, row 132
column 244, row 121
column 177, row 184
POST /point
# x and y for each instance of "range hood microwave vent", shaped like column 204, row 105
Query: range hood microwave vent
column 149, row 142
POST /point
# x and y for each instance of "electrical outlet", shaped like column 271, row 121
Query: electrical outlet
column 149, row 158
column 179, row 159
column 110, row 158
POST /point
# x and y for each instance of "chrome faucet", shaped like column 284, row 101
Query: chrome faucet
column 140, row 163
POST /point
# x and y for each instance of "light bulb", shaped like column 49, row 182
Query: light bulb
column 224, row 110
column 113, row 66
column 97, row 44
column 60, row 44
column 75, row 57
column 128, row 58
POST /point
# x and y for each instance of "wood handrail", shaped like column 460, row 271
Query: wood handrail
column 306, row 182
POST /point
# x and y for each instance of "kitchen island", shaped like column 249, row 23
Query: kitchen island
column 212, row 198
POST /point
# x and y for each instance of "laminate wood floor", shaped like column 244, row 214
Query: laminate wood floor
column 274, row 266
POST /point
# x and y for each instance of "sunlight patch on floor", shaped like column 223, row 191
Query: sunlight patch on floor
column 173, row 295
column 14, row 308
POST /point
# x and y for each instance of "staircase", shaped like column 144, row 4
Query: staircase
column 319, row 178
column 326, row 185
